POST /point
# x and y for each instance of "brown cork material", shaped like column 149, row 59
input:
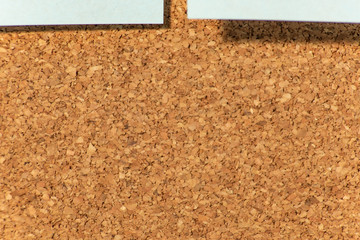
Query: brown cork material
column 194, row 130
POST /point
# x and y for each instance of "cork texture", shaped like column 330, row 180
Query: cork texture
column 193, row 130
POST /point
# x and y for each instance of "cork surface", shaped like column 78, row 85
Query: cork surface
column 197, row 130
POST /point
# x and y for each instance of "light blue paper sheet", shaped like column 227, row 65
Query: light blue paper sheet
column 66, row 12
column 343, row 11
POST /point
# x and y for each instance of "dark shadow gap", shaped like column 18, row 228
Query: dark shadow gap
column 51, row 28
column 238, row 31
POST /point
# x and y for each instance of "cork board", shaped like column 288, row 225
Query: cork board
column 194, row 130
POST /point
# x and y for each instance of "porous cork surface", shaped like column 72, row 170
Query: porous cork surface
column 197, row 130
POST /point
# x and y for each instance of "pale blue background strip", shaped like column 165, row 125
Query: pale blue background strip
column 282, row 10
column 63, row 12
